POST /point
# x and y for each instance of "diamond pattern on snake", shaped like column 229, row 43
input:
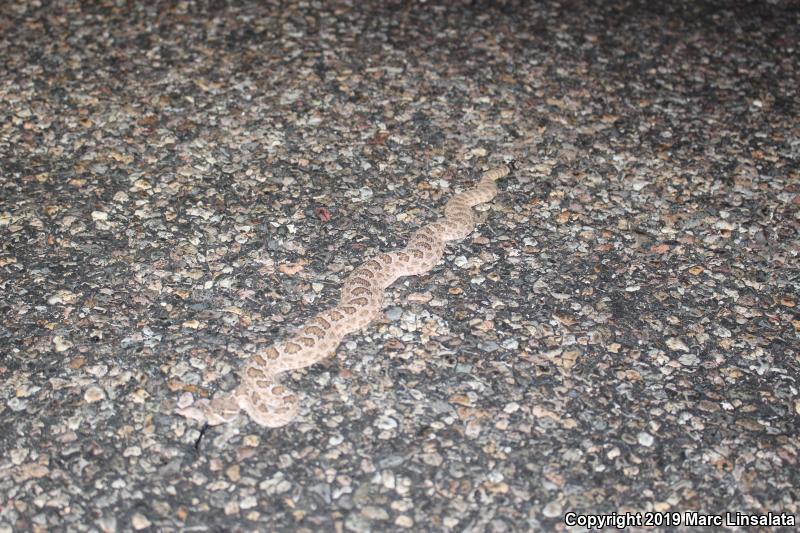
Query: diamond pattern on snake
column 260, row 393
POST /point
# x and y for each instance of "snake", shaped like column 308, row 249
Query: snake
column 261, row 393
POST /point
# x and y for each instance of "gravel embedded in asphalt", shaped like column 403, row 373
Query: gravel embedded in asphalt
column 181, row 183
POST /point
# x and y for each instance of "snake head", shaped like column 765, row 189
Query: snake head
column 221, row 410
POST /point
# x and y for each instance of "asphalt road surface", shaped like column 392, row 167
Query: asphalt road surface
column 182, row 183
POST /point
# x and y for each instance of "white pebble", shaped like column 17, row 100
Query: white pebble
column 94, row 394
column 552, row 509
column 61, row 343
column 139, row 521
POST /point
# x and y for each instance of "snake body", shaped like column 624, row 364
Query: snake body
column 260, row 393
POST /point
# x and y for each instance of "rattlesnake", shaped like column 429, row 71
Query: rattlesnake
column 260, row 393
